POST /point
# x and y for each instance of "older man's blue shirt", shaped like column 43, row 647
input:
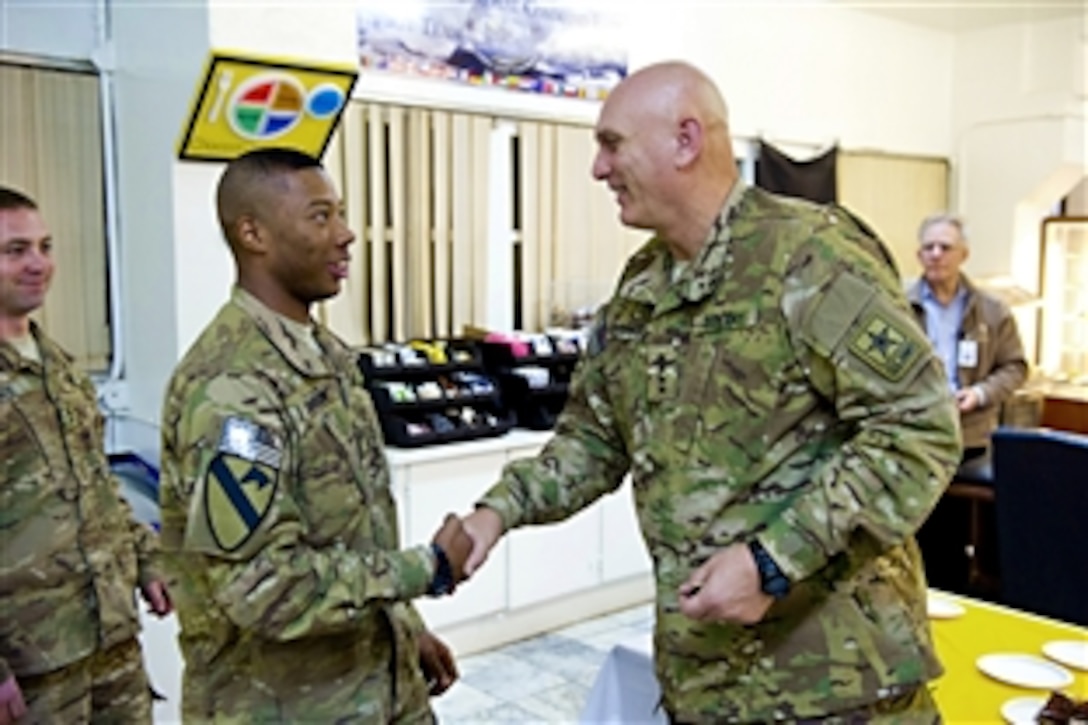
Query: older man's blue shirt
column 943, row 323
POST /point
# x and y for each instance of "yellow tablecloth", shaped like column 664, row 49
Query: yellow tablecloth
column 964, row 693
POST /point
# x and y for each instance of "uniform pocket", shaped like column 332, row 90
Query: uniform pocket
column 21, row 456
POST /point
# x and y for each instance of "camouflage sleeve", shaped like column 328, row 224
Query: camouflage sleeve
column 147, row 551
column 585, row 459
column 229, row 495
column 854, row 333
column 411, row 615
column 5, row 670
column 143, row 538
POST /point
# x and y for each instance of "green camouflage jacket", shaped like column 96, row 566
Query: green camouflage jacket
column 279, row 532
column 778, row 390
column 71, row 555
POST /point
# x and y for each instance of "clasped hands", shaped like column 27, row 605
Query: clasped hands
column 467, row 541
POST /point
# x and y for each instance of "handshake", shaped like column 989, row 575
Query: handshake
column 460, row 546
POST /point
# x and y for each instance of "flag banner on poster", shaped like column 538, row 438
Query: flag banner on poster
column 244, row 103
column 572, row 48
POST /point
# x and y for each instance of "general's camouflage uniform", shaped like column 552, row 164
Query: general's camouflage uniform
column 280, row 533
column 778, row 390
column 71, row 554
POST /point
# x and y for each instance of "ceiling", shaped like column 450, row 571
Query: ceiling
column 961, row 15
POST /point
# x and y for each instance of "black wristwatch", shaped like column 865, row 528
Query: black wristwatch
column 772, row 580
column 442, row 583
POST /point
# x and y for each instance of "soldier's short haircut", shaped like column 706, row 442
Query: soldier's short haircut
column 246, row 177
column 14, row 199
column 944, row 217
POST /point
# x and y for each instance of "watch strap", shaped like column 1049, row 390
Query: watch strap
column 442, row 583
column 771, row 578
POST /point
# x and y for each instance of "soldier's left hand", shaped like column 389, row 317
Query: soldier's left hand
column 157, row 598
column 436, row 660
column 726, row 589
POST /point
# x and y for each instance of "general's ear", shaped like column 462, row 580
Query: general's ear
column 689, row 141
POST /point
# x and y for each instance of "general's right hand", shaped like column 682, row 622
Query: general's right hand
column 454, row 540
column 484, row 526
column 12, row 706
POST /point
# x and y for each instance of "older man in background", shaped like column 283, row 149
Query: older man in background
column 974, row 332
column 976, row 337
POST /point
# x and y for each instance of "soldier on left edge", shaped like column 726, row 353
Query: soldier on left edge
column 71, row 554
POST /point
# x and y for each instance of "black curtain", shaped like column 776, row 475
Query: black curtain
column 815, row 179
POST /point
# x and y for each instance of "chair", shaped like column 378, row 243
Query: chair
column 1041, row 485
column 974, row 482
column 958, row 540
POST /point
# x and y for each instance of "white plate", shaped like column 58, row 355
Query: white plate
column 941, row 608
column 1070, row 652
column 1025, row 671
column 1022, row 710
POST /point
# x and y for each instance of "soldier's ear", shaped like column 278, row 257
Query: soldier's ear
column 250, row 234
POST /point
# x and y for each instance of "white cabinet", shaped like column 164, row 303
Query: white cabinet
column 430, row 491
column 553, row 560
column 548, row 562
column 623, row 552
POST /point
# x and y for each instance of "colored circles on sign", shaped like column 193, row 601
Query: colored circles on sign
column 266, row 106
column 324, row 101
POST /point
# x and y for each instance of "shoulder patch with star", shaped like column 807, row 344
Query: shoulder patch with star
column 882, row 343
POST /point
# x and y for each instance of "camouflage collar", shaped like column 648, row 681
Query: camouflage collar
column 10, row 359
column 652, row 286
column 296, row 351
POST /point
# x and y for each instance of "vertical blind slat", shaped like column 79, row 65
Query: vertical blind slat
column 420, row 182
column 379, row 289
column 442, row 184
column 398, row 189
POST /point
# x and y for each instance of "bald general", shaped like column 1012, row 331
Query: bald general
column 676, row 91
column 664, row 149
column 681, row 88
column 248, row 181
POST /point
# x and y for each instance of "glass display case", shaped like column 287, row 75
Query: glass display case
column 1063, row 284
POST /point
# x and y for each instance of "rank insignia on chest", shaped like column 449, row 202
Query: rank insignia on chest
column 885, row 346
column 240, row 482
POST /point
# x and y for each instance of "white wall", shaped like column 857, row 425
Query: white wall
column 160, row 50
column 813, row 74
column 59, row 30
column 1019, row 137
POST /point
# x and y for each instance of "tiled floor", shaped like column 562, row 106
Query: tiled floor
column 540, row 680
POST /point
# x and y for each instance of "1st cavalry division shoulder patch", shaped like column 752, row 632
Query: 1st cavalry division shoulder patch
column 885, row 346
column 240, row 482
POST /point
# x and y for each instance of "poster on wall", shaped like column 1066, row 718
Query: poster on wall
column 572, row 48
column 244, row 103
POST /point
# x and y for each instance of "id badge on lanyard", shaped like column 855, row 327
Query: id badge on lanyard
column 967, row 353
